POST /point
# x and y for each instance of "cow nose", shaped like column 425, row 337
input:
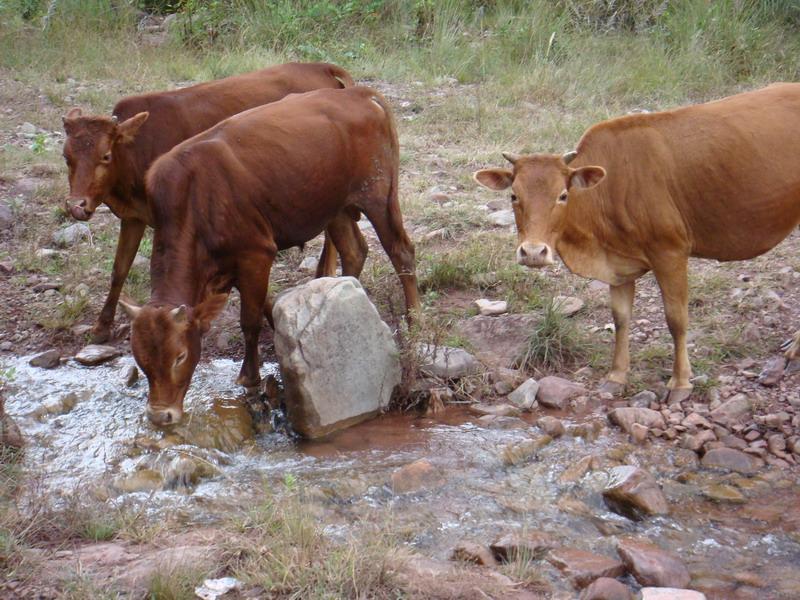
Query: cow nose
column 534, row 255
column 78, row 209
column 164, row 416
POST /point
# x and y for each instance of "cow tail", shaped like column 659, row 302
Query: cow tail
column 343, row 77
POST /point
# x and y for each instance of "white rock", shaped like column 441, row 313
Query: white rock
column 27, row 128
column 524, row 396
column 653, row 593
column 71, row 235
column 309, row 264
column 95, row 354
column 502, row 218
column 339, row 361
column 446, row 362
column 567, row 305
column 215, row 588
column 490, row 308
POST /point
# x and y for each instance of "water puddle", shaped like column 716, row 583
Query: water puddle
column 87, row 430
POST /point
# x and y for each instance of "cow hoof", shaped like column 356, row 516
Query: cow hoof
column 100, row 335
column 248, row 382
column 678, row 395
column 612, row 387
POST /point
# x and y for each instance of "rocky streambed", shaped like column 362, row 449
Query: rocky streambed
column 456, row 482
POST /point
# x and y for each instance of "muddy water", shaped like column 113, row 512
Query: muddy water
column 87, row 431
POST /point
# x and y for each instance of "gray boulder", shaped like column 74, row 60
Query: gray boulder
column 339, row 361
column 446, row 362
column 71, row 235
column 524, row 397
column 556, row 392
column 634, row 493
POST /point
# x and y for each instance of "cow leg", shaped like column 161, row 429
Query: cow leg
column 350, row 243
column 388, row 223
column 792, row 347
column 326, row 267
column 673, row 281
column 621, row 309
column 130, row 236
column 253, row 283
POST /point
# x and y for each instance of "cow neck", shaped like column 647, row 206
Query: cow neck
column 127, row 196
column 578, row 244
column 182, row 270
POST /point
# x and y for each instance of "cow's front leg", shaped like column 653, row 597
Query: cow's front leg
column 621, row 309
column 130, row 236
column 253, row 282
column 673, row 281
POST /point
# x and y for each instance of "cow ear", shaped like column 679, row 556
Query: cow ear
column 205, row 312
column 131, row 309
column 494, row 179
column 586, row 177
column 127, row 130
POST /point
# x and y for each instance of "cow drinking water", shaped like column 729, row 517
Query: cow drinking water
column 225, row 201
column 645, row 192
column 108, row 157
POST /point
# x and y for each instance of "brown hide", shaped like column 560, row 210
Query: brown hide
column 225, row 201
column 169, row 118
column 719, row 180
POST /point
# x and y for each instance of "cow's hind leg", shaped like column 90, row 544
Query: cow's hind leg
column 388, row 223
column 622, row 309
column 253, row 282
column 672, row 277
column 130, row 236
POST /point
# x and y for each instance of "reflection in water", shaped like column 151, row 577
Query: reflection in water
column 85, row 429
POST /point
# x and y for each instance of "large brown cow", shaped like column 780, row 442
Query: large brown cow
column 109, row 156
column 645, row 192
column 225, row 201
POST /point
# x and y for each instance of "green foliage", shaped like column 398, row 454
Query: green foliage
column 555, row 343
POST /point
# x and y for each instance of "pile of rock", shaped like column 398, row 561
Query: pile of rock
column 661, row 574
column 726, row 434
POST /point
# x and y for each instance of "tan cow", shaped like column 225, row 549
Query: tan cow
column 645, row 192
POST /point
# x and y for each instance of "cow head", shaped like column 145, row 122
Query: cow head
column 91, row 150
column 540, row 188
column 166, row 343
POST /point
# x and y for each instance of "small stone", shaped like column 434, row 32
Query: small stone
column 639, row 433
column 695, row 442
column 502, row 218
column 524, row 397
column 728, row 459
column 49, row 359
column 555, row 392
column 696, row 420
column 731, row 441
column 131, row 376
column 416, row 476
column 95, row 354
column 27, row 128
column 71, row 235
column 731, row 411
column 583, row 567
column 551, row 426
column 659, row 593
column 521, row 452
column 308, row 264
column 498, row 410
column 643, row 399
column 605, row 588
column 474, row 553
column 634, row 493
column 577, row 470
column 490, row 308
column 720, row 492
column 651, row 565
column 777, row 444
column 773, row 371
column 752, row 435
column 625, row 417
column 513, row 546
column 500, row 422
column 567, row 305
column 446, row 362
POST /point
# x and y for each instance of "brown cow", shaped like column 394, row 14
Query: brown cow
column 225, row 201
column 645, row 192
column 109, row 156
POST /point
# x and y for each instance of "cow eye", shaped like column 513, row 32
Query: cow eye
column 562, row 197
column 106, row 157
column 180, row 359
column 513, row 197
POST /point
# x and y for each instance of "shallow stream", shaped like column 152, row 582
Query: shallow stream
column 86, row 430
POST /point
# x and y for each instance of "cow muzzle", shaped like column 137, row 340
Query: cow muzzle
column 164, row 416
column 79, row 209
column 534, row 255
